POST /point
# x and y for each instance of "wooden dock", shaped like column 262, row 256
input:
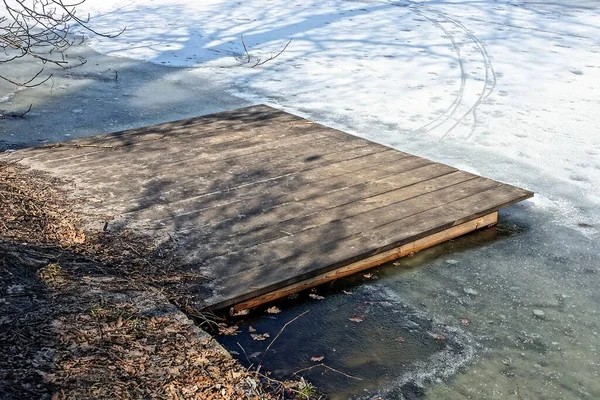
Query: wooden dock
column 265, row 203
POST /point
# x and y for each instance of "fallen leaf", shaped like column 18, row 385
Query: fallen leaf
column 465, row 321
column 273, row 310
column 317, row 359
column 259, row 337
column 368, row 276
column 346, row 292
column 357, row 318
column 239, row 313
column 251, row 329
column 316, row 296
column 228, row 330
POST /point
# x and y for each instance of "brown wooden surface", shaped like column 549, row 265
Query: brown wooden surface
column 370, row 262
column 261, row 200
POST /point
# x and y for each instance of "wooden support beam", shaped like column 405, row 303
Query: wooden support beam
column 373, row 261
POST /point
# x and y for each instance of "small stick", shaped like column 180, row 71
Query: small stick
column 277, row 336
column 259, row 62
column 23, row 115
column 245, row 354
column 245, row 48
column 329, row 368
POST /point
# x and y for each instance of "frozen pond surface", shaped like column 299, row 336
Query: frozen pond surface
column 506, row 89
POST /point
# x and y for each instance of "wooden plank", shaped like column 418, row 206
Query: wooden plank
column 110, row 185
column 316, row 196
column 235, row 289
column 185, row 169
column 290, row 189
column 371, row 262
column 232, row 241
column 214, row 188
column 178, row 153
column 239, row 121
column 323, row 238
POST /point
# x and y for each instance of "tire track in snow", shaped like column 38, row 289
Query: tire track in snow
column 489, row 82
column 449, row 112
column 459, row 103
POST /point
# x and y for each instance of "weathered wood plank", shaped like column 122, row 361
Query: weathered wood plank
column 371, row 262
column 311, row 242
column 203, row 152
column 243, row 121
column 249, row 283
column 213, row 188
column 233, row 218
column 309, row 182
column 332, row 213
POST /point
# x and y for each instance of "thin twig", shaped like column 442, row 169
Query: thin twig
column 281, row 384
column 329, row 368
column 259, row 62
column 23, row 114
column 15, row 115
column 28, row 28
column 245, row 354
column 277, row 336
column 245, row 48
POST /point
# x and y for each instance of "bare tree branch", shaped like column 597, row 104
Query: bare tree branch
column 259, row 62
column 245, row 48
column 39, row 29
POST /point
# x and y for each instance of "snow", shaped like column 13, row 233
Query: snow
column 503, row 88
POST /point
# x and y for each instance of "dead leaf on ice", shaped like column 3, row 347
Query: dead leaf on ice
column 273, row 310
column 259, row 337
column 316, row 296
column 357, row 318
column 240, row 313
column 251, row 329
column 317, row 359
column 228, row 330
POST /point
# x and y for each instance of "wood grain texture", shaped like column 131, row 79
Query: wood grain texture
column 261, row 201
column 371, row 262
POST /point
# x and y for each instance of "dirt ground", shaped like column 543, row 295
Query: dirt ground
column 97, row 315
